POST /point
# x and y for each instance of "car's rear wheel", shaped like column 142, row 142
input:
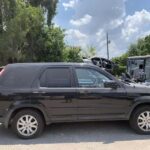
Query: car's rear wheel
column 140, row 120
column 28, row 124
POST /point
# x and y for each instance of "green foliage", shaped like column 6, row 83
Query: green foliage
column 121, row 60
column 7, row 12
column 119, row 70
column 52, row 45
column 14, row 40
column 49, row 7
column 26, row 37
column 72, row 54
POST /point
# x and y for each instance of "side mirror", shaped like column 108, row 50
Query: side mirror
column 111, row 84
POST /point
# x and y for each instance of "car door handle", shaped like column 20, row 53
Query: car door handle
column 68, row 100
column 36, row 92
column 85, row 91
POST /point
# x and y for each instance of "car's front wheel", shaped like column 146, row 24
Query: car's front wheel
column 140, row 120
column 28, row 124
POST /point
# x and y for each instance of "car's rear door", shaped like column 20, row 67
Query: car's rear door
column 97, row 102
column 57, row 93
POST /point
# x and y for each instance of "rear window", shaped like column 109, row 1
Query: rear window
column 56, row 77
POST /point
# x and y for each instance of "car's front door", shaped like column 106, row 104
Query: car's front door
column 97, row 102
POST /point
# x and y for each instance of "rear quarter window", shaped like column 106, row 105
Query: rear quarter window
column 19, row 77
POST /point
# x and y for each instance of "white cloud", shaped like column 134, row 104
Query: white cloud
column 82, row 21
column 70, row 4
column 102, row 13
column 76, row 37
column 116, row 23
column 100, row 34
column 101, row 45
column 113, row 50
column 135, row 24
column 93, row 19
column 101, row 38
column 76, row 33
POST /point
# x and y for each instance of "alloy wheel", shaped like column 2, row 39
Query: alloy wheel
column 143, row 121
column 27, row 125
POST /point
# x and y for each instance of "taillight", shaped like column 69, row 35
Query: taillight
column 1, row 72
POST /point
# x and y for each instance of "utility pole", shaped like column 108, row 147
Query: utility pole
column 108, row 42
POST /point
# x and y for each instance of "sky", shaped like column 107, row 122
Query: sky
column 86, row 23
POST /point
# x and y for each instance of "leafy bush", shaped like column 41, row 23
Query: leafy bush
column 119, row 70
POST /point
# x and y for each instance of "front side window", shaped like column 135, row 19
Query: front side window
column 56, row 77
column 90, row 78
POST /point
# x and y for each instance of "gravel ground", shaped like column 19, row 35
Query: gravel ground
column 79, row 136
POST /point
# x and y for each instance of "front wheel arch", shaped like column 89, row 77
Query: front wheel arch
column 138, row 106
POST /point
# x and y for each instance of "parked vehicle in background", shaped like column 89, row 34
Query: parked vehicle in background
column 133, row 63
column 104, row 63
column 33, row 95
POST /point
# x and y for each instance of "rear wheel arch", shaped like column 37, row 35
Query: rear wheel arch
column 16, row 110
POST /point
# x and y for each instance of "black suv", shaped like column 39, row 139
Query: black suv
column 33, row 95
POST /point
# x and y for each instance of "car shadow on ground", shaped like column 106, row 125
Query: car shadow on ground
column 104, row 132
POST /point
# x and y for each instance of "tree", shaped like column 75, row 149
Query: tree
column 7, row 11
column 25, row 37
column 53, row 45
column 14, row 39
column 133, row 51
column 72, row 54
column 143, row 46
column 49, row 7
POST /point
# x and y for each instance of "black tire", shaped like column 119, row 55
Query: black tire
column 134, row 119
column 36, row 117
